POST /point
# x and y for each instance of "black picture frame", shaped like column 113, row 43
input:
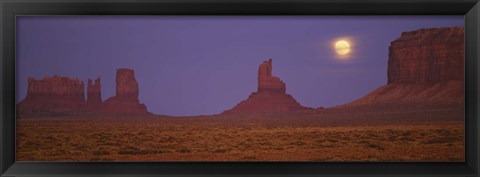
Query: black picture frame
column 12, row 8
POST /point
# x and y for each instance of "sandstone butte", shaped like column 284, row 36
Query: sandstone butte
column 53, row 94
column 125, row 102
column 64, row 95
column 424, row 66
column 94, row 95
column 270, row 98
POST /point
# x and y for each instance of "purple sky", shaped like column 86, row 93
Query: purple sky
column 199, row 65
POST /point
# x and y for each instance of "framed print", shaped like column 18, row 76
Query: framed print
column 256, row 88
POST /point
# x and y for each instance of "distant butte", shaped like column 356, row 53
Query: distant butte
column 59, row 95
column 125, row 102
column 424, row 66
column 94, row 95
column 55, row 94
column 267, row 82
column 270, row 97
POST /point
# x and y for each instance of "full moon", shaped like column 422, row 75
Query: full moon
column 342, row 47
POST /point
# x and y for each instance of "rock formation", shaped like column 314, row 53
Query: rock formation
column 424, row 66
column 63, row 95
column 126, row 84
column 94, row 95
column 427, row 55
column 270, row 97
column 125, row 102
column 54, row 94
column 267, row 82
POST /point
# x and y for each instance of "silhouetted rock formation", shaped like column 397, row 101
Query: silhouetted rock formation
column 270, row 96
column 94, row 95
column 424, row 66
column 54, row 94
column 125, row 102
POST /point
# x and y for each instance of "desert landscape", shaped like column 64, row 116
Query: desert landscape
column 418, row 115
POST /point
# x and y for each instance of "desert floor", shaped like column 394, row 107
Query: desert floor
column 336, row 134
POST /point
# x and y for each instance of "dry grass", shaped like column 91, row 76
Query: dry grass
column 218, row 138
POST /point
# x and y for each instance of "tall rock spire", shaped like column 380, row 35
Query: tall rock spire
column 127, row 85
column 267, row 82
column 125, row 102
column 94, row 95
column 270, row 97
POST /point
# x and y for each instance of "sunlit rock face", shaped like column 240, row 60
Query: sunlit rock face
column 270, row 97
column 56, row 94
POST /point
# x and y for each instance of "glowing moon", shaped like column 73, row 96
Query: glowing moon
column 342, row 47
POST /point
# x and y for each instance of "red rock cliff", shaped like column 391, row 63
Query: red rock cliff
column 54, row 94
column 267, row 82
column 427, row 55
column 127, row 85
column 94, row 95
column 125, row 102
column 424, row 66
column 270, row 97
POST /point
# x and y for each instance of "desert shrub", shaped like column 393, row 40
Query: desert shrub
column 407, row 133
column 406, row 138
column 184, row 150
column 332, row 140
column 249, row 158
column 439, row 140
column 389, row 130
column 319, row 159
column 100, row 159
column 375, row 146
column 298, row 143
column 364, row 142
column 392, row 138
column 100, row 152
column 245, row 145
column 345, row 138
column 57, row 153
column 326, row 144
column 31, row 144
column 221, row 150
column 371, row 133
column 166, row 139
column 137, row 152
column 442, row 131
